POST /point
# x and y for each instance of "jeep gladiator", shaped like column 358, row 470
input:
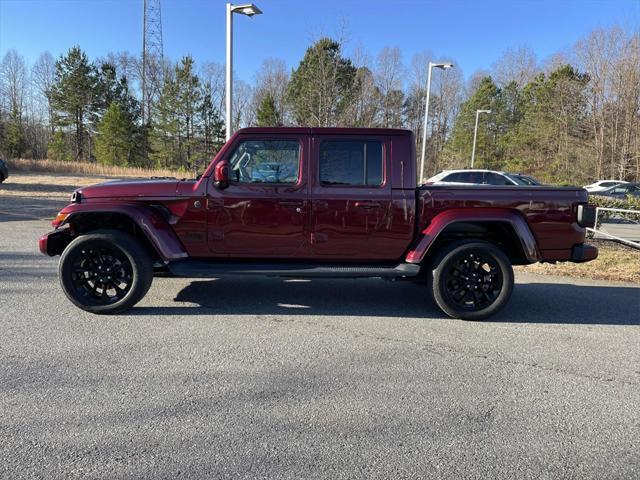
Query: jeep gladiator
column 314, row 202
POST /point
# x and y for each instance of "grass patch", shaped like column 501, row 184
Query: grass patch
column 90, row 169
column 615, row 262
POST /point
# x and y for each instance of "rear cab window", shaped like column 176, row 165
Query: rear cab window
column 351, row 163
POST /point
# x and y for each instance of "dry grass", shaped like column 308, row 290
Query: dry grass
column 615, row 262
column 83, row 168
column 46, row 184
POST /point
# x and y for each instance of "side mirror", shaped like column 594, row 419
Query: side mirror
column 221, row 175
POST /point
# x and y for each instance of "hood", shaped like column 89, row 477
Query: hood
column 132, row 189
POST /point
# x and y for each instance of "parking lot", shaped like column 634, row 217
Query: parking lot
column 265, row 378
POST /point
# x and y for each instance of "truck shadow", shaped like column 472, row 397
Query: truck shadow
column 531, row 302
column 20, row 208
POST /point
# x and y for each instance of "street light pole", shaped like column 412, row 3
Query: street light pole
column 475, row 135
column 250, row 10
column 442, row 66
column 229, row 73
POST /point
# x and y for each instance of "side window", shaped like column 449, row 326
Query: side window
column 495, row 179
column 459, row 177
column 619, row 190
column 266, row 161
column 351, row 162
column 475, row 177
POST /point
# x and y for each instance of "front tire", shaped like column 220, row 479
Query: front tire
column 471, row 280
column 105, row 272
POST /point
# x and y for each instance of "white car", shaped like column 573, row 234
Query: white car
column 480, row 177
column 601, row 185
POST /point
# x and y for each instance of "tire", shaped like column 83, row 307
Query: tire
column 1, row 178
column 484, row 266
column 105, row 272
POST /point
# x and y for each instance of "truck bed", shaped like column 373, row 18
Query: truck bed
column 550, row 212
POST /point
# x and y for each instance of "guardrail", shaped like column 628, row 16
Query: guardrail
column 620, row 227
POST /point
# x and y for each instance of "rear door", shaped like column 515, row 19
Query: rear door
column 351, row 217
column 264, row 212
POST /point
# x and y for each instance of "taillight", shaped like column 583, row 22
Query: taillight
column 586, row 215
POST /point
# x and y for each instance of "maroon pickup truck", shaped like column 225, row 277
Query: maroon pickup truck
column 314, row 202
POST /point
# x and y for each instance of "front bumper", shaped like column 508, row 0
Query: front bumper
column 583, row 252
column 54, row 242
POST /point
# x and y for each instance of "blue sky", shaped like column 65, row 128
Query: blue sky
column 474, row 33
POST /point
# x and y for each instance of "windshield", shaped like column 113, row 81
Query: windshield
column 523, row 180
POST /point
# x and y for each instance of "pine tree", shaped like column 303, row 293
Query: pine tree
column 111, row 89
column 322, row 86
column 114, row 143
column 552, row 124
column 212, row 125
column 14, row 138
column 72, row 95
column 267, row 114
column 166, row 130
column 57, row 148
column 178, row 121
column 189, row 98
column 458, row 148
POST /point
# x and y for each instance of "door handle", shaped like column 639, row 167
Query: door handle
column 285, row 203
column 367, row 205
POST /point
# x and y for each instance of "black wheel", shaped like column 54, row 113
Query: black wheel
column 1, row 178
column 105, row 272
column 471, row 280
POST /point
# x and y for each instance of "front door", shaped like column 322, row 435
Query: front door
column 263, row 213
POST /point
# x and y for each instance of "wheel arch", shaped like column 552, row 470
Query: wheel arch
column 144, row 223
column 505, row 228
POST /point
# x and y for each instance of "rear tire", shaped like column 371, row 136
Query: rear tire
column 105, row 272
column 472, row 280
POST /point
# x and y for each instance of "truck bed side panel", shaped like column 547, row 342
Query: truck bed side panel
column 549, row 211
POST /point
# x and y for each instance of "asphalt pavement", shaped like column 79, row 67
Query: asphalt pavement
column 271, row 378
column 629, row 232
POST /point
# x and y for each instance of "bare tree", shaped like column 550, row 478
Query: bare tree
column 13, row 82
column 611, row 58
column 447, row 95
column 213, row 73
column 364, row 110
column 416, row 93
column 516, row 65
column 273, row 79
column 243, row 112
column 389, row 77
column 42, row 75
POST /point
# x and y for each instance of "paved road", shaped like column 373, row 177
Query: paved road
column 627, row 231
column 264, row 378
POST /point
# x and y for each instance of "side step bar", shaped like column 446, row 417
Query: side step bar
column 200, row 269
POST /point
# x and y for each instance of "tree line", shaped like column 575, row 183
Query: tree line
column 569, row 119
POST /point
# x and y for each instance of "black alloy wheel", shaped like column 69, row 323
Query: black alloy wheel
column 105, row 272
column 101, row 274
column 472, row 280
